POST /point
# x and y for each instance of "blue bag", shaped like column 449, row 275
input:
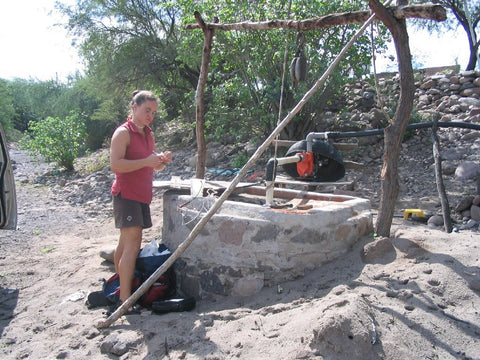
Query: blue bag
column 111, row 287
column 148, row 264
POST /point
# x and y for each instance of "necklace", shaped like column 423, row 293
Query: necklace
column 140, row 127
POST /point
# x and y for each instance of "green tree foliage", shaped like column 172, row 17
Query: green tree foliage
column 244, row 87
column 463, row 13
column 102, row 111
column 30, row 101
column 33, row 100
column 6, row 108
column 60, row 140
column 142, row 44
column 129, row 45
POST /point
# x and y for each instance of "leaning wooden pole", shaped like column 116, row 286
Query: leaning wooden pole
column 241, row 174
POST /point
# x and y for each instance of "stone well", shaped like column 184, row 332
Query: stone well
column 246, row 246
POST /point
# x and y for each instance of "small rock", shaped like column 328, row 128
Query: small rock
column 109, row 343
column 467, row 170
column 107, row 254
column 91, row 333
column 428, row 84
column 470, row 224
column 476, row 200
column 448, row 168
column 464, row 204
column 62, row 355
column 475, row 212
column 435, row 220
column 379, row 251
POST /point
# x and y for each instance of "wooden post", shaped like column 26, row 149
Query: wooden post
column 200, row 109
column 447, row 221
column 395, row 131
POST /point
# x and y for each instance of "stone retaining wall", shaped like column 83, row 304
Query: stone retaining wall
column 246, row 246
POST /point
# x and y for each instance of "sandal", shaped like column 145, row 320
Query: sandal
column 96, row 299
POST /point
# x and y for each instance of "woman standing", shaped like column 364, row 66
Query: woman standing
column 133, row 158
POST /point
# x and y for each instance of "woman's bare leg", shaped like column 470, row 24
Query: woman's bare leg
column 126, row 256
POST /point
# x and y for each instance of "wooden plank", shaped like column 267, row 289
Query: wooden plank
column 289, row 181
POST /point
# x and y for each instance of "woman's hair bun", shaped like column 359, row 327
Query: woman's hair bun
column 135, row 92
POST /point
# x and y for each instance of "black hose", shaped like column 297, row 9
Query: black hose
column 270, row 171
column 445, row 124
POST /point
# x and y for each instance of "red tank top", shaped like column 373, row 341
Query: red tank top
column 136, row 185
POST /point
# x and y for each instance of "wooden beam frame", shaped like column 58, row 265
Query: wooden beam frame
column 428, row 11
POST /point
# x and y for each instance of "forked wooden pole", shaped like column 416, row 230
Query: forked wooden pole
column 241, row 174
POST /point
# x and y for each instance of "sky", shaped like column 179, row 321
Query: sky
column 33, row 48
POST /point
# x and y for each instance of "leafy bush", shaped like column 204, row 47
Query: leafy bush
column 415, row 118
column 239, row 160
column 56, row 139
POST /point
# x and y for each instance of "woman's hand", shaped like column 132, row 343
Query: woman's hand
column 165, row 157
column 154, row 161
column 160, row 167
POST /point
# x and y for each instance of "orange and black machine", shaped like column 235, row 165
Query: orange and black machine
column 312, row 159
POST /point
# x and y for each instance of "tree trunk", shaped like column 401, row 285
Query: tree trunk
column 395, row 131
column 472, row 36
column 472, row 59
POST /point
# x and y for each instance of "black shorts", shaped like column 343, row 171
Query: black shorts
column 130, row 213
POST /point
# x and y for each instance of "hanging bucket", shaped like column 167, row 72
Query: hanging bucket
column 328, row 163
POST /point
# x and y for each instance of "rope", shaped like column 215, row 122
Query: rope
column 280, row 103
column 285, row 58
column 192, row 210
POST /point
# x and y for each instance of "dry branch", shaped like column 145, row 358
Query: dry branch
column 429, row 11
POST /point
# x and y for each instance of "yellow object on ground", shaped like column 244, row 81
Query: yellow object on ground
column 410, row 212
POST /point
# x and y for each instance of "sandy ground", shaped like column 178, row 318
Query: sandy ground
column 415, row 295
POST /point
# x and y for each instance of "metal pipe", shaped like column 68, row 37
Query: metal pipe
column 271, row 173
column 315, row 135
column 273, row 163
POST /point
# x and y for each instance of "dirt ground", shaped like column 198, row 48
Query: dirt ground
column 415, row 295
